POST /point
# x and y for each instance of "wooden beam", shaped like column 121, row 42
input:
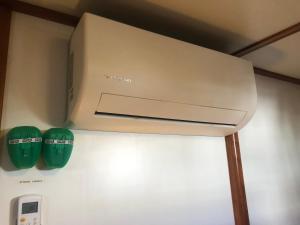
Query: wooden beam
column 238, row 193
column 41, row 12
column 5, row 18
column 277, row 76
column 268, row 40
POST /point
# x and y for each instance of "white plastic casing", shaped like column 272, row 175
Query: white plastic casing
column 126, row 79
column 32, row 218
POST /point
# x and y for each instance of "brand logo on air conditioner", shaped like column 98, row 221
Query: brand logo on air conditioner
column 119, row 78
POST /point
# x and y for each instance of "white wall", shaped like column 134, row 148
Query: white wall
column 120, row 179
column 112, row 178
column 270, row 148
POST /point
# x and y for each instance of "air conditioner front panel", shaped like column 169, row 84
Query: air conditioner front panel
column 155, row 108
column 129, row 61
column 131, row 80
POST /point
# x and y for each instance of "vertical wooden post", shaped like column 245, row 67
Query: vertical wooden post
column 5, row 18
column 238, row 193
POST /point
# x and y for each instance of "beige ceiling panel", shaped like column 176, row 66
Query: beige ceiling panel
column 280, row 57
column 253, row 19
column 231, row 24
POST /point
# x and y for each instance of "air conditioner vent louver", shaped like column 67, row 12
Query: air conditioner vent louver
column 103, row 114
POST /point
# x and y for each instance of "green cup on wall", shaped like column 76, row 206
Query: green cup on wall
column 57, row 147
column 24, row 146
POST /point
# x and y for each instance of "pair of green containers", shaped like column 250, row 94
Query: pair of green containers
column 26, row 143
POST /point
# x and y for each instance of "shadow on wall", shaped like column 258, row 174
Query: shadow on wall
column 5, row 162
column 266, row 57
column 149, row 16
column 57, row 92
column 13, row 209
column 52, row 108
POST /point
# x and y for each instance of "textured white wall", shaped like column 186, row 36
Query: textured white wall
column 112, row 178
column 270, row 148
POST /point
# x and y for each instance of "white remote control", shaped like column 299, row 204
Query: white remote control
column 29, row 210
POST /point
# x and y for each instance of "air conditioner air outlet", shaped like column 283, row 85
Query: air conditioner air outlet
column 141, row 108
column 160, row 119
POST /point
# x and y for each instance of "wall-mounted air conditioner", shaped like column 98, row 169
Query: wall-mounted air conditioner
column 127, row 79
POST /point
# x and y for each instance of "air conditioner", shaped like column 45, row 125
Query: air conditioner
column 126, row 79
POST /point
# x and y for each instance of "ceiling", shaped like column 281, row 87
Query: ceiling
column 223, row 25
column 282, row 56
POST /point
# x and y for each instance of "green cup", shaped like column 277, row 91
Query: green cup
column 57, row 147
column 24, row 146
